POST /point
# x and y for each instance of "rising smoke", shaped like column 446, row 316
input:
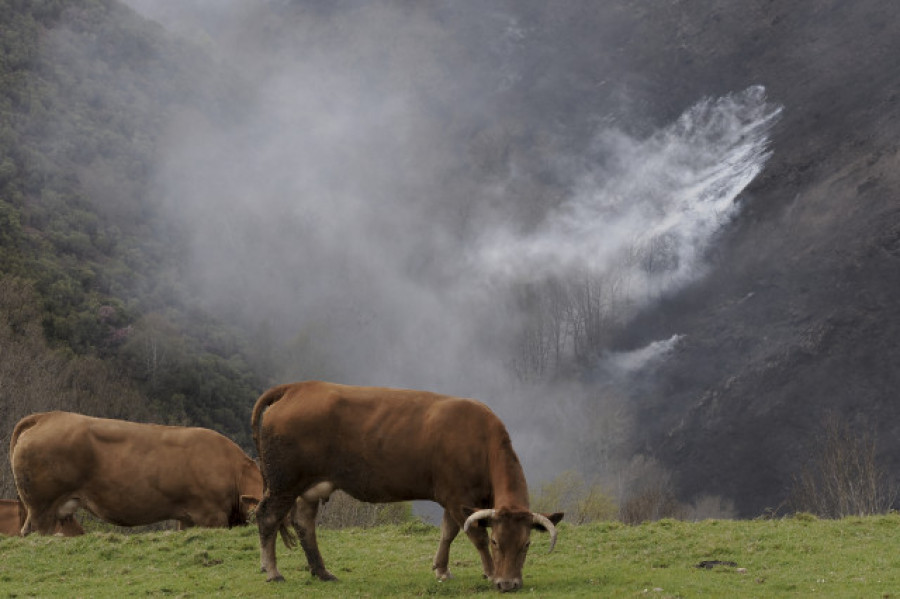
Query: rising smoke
column 670, row 193
column 365, row 210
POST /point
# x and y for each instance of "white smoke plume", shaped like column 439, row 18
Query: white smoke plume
column 667, row 195
column 639, row 359
column 324, row 211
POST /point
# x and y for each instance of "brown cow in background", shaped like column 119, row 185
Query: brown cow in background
column 129, row 474
column 12, row 519
column 382, row 445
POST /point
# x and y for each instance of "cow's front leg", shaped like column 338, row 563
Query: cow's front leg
column 215, row 519
column 269, row 515
column 479, row 537
column 449, row 530
column 304, row 522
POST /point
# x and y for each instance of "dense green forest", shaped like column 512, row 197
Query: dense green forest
column 96, row 318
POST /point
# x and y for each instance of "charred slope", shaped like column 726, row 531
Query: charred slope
column 799, row 317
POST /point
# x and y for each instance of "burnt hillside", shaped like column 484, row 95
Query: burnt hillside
column 800, row 317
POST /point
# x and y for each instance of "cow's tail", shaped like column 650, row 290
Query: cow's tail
column 288, row 537
column 23, row 425
column 23, row 513
column 265, row 400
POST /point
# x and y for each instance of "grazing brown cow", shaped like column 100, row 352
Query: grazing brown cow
column 382, row 445
column 12, row 518
column 129, row 474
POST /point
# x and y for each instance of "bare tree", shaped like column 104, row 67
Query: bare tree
column 843, row 479
column 34, row 377
column 648, row 493
column 343, row 511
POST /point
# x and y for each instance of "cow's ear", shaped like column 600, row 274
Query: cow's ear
column 468, row 511
column 555, row 518
column 248, row 505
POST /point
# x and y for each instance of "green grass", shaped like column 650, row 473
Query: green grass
column 796, row 557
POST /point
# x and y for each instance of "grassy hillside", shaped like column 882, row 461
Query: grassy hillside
column 799, row 556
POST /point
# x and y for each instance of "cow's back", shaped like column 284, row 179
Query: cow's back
column 378, row 444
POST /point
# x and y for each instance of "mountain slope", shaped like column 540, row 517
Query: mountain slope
column 468, row 118
column 799, row 319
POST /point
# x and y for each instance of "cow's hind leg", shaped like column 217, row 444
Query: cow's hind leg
column 43, row 522
column 269, row 515
column 304, row 522
column 449, row 530
column 65, row 516
column 43, row 518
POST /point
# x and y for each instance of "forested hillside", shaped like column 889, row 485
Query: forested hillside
column 94, row 319
column 660, row 239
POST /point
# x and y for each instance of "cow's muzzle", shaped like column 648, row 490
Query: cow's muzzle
column 505, row 585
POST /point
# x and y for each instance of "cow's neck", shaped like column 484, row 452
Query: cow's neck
column 507, row 478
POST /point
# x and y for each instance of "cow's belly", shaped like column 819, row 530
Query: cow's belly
column 134, row 505
column 386, row 491
column 131, row 517
column 382, row 477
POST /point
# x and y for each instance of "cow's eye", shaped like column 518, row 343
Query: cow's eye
column 527, row 544
column 493, row 541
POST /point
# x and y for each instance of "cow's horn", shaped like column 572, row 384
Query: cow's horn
column 476, row 516
column 545, row 522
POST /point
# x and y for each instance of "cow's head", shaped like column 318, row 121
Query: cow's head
column 510, row 538
column 248, row 507
column 250, row 488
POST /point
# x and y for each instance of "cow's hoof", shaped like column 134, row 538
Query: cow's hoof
column 278, row 578
column 326, row 576
column 443, row 575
